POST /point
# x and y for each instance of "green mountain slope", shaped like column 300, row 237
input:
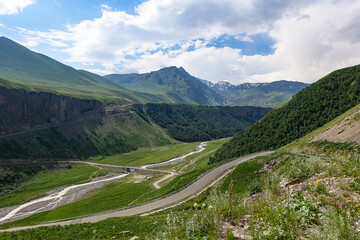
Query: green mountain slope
column 174, row 84
column 105, row 135
column 311, row 108
column 189, row 123
column 33, row 71
column 343, row 129
column 41, row 125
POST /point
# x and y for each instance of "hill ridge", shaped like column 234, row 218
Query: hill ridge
column 38, row 72
column 308, row 110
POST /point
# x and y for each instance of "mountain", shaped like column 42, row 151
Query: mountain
column 178, row 86
column 174, row 84
column 25, row 69
column 309, row 109
column 43, row 125
column 272, row 94
column 192, row 123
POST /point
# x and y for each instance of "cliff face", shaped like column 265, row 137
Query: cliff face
column 21, row 110
column 44, row 126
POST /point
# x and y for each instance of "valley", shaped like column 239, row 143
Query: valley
column 309, row 168
column 177, row 130
column 61, row 196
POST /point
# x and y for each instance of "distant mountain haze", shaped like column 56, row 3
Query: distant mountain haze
column 271, row 94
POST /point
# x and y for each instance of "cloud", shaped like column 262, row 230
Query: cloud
column 9, row 7
column 322, row 37
column 311, row 38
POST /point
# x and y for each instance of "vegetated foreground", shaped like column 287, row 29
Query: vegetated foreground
column 132, row 189
column 308, row 189
column 195, row 187
column 281, row 196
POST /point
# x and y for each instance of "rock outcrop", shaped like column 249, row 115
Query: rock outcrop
column 21, row 110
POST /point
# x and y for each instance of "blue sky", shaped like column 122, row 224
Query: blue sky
column 234, row 40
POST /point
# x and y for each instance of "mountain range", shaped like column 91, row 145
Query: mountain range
column 51, row 110
column 269, row 94
column 24, row 69
column 177, row 85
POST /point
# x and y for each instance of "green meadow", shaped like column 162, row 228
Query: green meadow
column 148, row 155
column 43, row 182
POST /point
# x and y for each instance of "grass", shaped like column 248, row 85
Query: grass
column 112, row 196
column 322, row 207
column 32, row 71
column 125, row 192
column 148, row 155
column 245, row 177
column 44, row 182
column 317, row 209
column 144, row 227
column 197, row 160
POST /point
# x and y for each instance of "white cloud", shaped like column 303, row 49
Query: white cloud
column 8, row 7
column 312, row 38
column 322, row 37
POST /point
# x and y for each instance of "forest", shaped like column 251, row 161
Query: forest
column 189, row 123
column 307, row 110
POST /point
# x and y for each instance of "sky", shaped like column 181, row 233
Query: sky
column 233, row 40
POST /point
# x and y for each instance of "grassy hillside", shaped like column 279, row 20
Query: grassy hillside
column 148, row 155
column 46, row 125
column 174, row 84
column 285, row 195
column 311, row 108
column 197, row 123
column 341, row 132
column 33, row 71
column 82, row 139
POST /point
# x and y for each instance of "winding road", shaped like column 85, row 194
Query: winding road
column 66, row 195
column 199, row 185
